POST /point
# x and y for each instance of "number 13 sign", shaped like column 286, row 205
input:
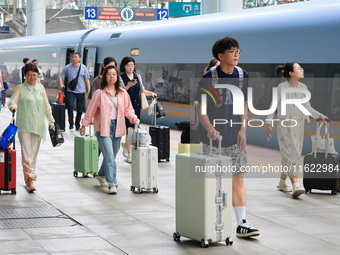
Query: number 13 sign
column 90, row 12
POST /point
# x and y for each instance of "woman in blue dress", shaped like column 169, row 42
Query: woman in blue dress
column 133, row 84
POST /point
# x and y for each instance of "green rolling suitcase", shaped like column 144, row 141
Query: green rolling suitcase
column 85, row 155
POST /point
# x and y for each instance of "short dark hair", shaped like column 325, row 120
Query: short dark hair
column 34, row 60
column 31, row 67
column 78, row 53
column 223, row 44
column 124, row 63
column 103, row 82
column 25, row 60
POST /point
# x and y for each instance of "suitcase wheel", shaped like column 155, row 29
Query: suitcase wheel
column 75, row 174
column 204, row 243
column 139, row 190
column 94, row 175
column 155, row 190
column 334, row 192
column 308, row 190
column 132, row 188
column 14, row 191
column 229, row 241
column 176, row 236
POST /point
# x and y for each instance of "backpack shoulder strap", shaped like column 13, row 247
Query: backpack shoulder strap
column 240, row 76
column 214, row 76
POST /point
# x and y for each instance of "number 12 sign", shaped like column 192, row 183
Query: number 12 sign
column 162, row 14
column 90, row 12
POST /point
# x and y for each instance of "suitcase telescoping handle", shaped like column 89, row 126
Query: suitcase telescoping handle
column 155, row 113
column 13, row 121
column 135, row 131
column 219, row 138
column 318, row 130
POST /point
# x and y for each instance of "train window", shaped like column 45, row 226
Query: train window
column 335, row 103
column 171, row 82
column 309, row 81
column 258, row 82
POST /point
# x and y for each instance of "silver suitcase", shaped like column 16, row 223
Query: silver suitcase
column 144, row 168
column 204, row 200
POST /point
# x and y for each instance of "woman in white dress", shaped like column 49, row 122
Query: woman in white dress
column 291, row 138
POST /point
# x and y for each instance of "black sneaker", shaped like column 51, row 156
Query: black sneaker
column 246, row 230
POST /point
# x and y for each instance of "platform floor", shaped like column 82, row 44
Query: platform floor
column 68, row 215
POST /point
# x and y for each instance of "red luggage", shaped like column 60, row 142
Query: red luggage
column 8, row 169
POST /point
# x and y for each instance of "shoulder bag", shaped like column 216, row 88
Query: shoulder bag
column 73, row 84
column 144, row 105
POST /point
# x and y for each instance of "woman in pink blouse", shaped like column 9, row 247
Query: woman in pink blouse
column 109, row 106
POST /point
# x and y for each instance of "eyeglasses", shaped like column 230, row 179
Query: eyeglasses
column 234, row 52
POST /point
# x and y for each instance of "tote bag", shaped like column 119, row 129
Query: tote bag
column 323, row 144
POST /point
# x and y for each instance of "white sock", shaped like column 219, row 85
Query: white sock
column 240, row 212
column 282, row 181
column 295, row 185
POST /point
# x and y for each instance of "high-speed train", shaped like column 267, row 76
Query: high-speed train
column 172, row 54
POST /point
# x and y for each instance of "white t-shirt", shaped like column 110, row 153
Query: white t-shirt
column 114, row 108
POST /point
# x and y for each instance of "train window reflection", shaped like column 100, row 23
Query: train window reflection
column 258, row 82
column 335, row 107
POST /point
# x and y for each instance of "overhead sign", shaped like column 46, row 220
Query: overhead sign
column 4, row 30
column 127, row 14
column 178, row 9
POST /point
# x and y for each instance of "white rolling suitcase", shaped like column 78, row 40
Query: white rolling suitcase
column 144, row 168
column 204, row 200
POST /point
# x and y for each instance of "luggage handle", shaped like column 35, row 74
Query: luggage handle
column 318, row 130
column 135, row 131
column 219, row 138
column 224, row 200
column 13, row 121
column 155, row 112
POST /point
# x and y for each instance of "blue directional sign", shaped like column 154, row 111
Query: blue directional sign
column 91, row 13
column 4, row 30
column 178, row 9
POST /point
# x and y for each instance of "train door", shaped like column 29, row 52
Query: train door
column 89, row 60
column 64, row 59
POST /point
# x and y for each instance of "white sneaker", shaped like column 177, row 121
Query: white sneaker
column 102, row 181
column 284, row 187
column 129, row 158
column 112, row 189
column 125, row 152
column 298, row 191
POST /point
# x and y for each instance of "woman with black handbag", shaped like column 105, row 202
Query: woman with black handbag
column 132, row 83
